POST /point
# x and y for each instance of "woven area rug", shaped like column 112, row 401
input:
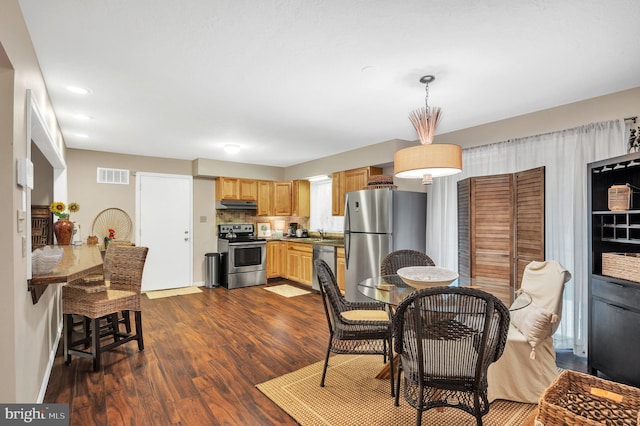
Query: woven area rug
column 353, row 396
column 173, row 292
column 286, row 290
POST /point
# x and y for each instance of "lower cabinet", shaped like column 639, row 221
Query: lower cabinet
column 299, row 262
column 276, row 259
column 294, row 261
column 340, row 267
column 614, row 340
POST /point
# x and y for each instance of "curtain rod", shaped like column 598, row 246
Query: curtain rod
column 631, row 119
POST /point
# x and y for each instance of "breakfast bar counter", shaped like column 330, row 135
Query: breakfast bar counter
column 77, row 262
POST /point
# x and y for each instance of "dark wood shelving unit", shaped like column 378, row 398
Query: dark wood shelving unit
column 614, row 303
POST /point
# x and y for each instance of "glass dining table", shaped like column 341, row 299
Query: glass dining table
column 391, row 290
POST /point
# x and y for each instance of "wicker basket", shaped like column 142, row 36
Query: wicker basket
column 581, row 399
column 380, row 180
column 621, row 265
column 620, row 197
column 380, row 186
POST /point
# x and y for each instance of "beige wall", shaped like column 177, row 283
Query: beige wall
column 94, row 197
column 609, row 107
column 27, row 331
column 42, row 193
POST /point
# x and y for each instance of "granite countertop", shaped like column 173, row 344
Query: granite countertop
column 329, row 241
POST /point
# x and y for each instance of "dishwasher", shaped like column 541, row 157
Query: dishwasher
column 326, row 253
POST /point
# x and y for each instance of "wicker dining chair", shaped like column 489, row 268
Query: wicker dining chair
column 354, row 327
column 123, row 294
column 446, row 338
column 403, row 258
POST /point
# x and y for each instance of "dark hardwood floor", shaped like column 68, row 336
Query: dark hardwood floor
column 204, row 354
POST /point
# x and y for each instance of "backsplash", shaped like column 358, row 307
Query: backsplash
column 248, row 216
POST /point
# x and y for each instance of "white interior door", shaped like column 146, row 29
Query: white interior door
column 164, row 205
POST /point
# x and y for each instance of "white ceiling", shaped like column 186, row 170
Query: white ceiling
column 291, row 80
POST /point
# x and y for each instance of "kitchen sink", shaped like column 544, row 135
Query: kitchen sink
column 315, row 240
column 325, row 241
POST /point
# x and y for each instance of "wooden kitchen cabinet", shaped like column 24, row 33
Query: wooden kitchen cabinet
column 282, row 198
column 300, row 262
column 340, row 268
column 356, row 179
column 337, row 194
column 248, row 189
column 236, row 189
column 301, row 198
column 276, row 258
column 349, row 181
column 265, row 199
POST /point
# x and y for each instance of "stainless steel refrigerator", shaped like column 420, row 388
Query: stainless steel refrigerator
column 377, row 222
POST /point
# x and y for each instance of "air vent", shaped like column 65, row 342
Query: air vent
column 114, row 176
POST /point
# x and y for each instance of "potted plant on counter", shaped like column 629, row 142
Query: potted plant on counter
column 63, row 228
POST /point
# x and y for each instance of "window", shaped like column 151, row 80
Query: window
column 321, row 217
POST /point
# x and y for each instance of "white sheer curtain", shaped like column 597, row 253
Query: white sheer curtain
column 565, row 155
column 321, row 217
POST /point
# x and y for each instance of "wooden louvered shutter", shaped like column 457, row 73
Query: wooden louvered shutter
column 529, row 219
column 492, row 236
column 464, row 228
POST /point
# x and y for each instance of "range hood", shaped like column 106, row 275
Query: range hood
column 236, row 205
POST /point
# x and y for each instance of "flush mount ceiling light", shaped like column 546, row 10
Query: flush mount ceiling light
column 81, row 117
column 427, row 160
column 79, row 90
column 231, row 148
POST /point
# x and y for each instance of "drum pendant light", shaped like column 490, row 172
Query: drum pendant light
column 427, row 160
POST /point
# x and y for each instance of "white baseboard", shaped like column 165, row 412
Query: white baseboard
column 52, row 358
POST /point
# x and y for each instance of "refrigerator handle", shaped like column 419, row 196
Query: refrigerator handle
column 347, row 248
column 347, row 233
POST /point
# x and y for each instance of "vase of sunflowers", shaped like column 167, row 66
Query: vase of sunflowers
column 63, row 228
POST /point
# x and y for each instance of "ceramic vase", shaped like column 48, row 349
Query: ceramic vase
column 63, row 229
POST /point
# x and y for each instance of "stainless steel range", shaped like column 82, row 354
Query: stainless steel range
column 243, row 256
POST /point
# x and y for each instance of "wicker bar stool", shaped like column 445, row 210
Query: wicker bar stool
column 123, row 294
column 99, row 282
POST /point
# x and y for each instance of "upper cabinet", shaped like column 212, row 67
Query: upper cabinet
column 265, row 198
column 349, row 181
column 236, row 189
column 301, row 198
column 282, row 198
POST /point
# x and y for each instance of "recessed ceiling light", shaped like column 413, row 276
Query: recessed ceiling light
column 81, row 135
column 231, row 148
column 81, row 117
column 79, row 90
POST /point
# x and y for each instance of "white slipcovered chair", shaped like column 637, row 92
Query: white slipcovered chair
column 528, row 364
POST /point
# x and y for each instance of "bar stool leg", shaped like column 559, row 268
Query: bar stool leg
column 138, row 318
column 95, row 343
column 127, row 321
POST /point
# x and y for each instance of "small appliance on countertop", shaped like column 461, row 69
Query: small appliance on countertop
column 293, row 227
column 305, row 233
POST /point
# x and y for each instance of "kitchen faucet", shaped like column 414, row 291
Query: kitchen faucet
column 322, row 233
